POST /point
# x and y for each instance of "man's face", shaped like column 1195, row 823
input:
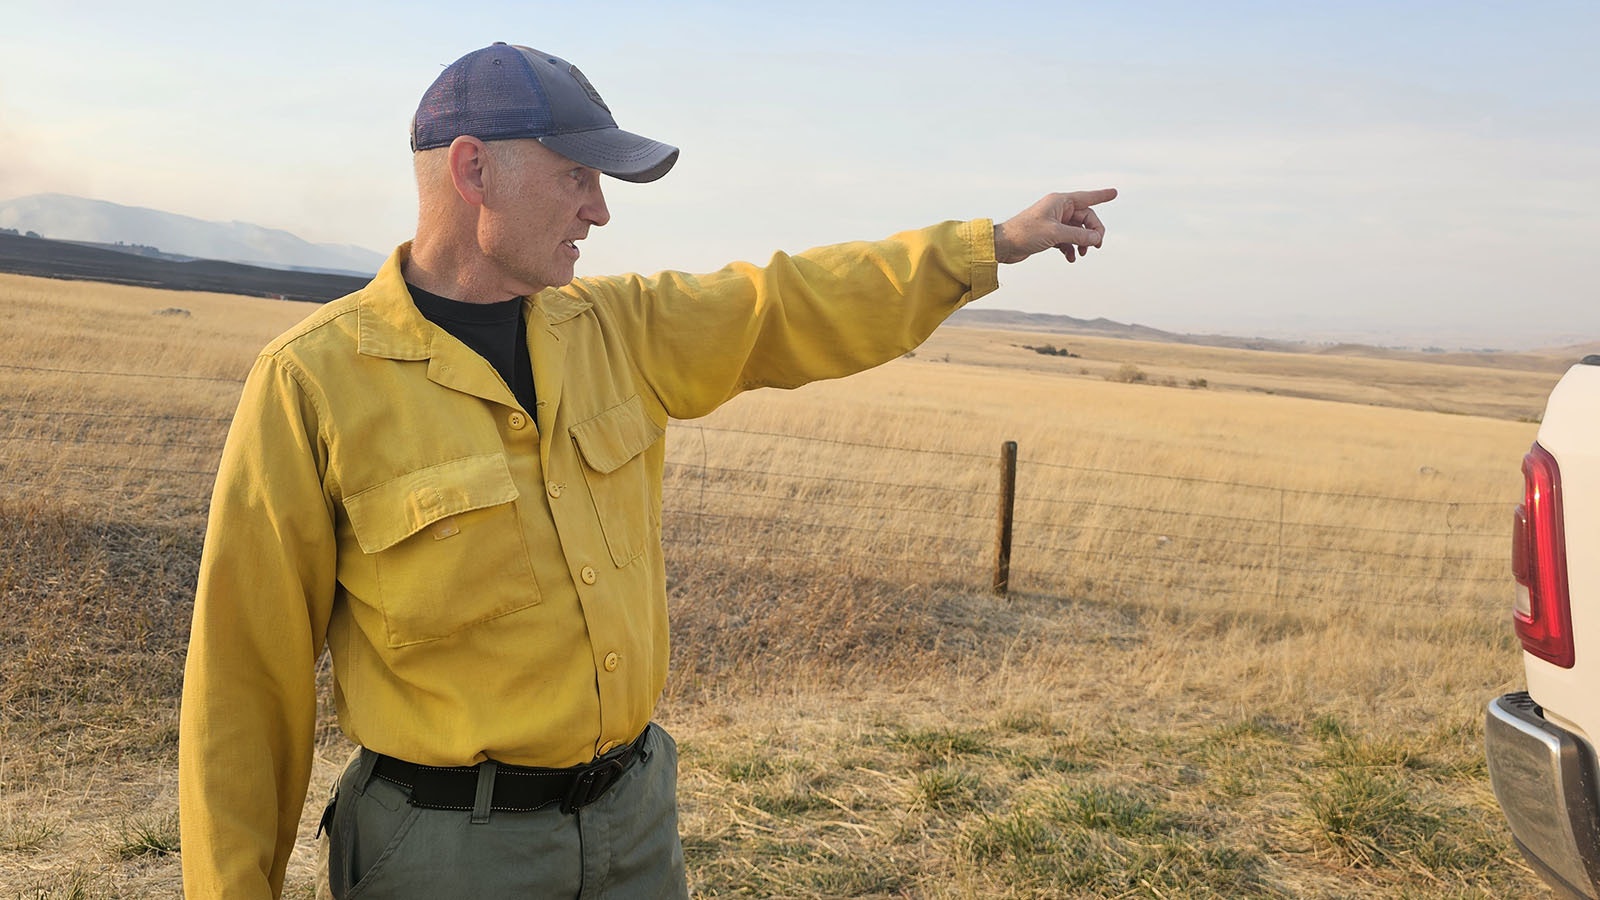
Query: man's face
column 537, row 205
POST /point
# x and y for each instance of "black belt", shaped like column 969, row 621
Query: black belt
column 516, row 788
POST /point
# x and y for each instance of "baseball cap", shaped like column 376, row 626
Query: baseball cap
column 505, row 91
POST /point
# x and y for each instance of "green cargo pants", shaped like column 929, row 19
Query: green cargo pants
column 624, row 845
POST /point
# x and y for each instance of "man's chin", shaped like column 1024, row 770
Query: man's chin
column 526, row 275
column 560, row 275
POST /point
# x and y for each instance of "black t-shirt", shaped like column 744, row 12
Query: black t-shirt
column 496, row 331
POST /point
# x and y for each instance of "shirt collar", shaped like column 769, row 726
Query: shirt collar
column 391, row 327
column 389, row 324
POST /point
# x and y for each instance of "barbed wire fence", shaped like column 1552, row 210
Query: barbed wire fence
column 875, row 507
column 1078, row 530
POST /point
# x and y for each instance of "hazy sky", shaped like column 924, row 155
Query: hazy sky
column 1425, row 172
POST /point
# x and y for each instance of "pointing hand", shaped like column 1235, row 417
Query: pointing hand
column 1065, row 221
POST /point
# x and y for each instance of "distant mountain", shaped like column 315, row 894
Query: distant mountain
column 1012, row 320
column 1552, row 359
column 83, row 261
column 67, row 218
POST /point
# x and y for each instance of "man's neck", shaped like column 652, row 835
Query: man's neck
column 462, row 274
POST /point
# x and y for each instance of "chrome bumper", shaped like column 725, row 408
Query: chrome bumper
column 1544, row 778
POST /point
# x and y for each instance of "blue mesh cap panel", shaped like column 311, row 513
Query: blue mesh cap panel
column 491, row 94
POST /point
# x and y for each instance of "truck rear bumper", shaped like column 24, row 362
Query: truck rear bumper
column 1544, row 778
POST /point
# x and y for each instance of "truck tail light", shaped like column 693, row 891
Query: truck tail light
column 1543, row 615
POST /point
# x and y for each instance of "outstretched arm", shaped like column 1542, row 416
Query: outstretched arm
column 1065, row 221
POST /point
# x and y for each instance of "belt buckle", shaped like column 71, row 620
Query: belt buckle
column 591, row 784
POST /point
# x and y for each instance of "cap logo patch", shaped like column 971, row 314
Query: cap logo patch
column 587, row 87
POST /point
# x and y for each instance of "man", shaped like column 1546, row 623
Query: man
column 452, row 480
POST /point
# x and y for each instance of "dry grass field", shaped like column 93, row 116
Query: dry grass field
column 1251, row 628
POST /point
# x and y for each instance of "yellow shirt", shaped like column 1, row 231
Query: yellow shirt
column 487, row 579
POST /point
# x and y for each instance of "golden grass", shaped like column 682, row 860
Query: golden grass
column 1217, row 675
column 1506, row 385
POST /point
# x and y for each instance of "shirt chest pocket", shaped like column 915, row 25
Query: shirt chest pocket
column 447, row 546
column 612, row 446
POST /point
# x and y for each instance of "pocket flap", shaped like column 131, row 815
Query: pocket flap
column 388, row 513
column 616, row 435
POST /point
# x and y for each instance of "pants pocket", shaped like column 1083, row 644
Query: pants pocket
column 369, row 829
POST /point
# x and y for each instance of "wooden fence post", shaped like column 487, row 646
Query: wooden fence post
column 1008, row 502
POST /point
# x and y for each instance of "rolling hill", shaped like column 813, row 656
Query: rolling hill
column 67, row 218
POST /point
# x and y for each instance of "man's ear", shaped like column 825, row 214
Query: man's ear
column 467, row 159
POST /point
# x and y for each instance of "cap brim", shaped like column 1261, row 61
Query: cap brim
column 617, row 153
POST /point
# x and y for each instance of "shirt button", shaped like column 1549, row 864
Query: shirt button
column 554, row 489
column 588, row 575
column 517, row 421
column 611, row 662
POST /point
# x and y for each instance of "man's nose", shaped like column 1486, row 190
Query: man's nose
column 594, row 210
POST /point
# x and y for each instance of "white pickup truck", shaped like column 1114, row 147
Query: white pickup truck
column 1541, row 742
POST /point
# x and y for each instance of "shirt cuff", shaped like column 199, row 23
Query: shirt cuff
column 985, row 277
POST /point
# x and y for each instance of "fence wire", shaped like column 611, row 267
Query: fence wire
column 784, row 500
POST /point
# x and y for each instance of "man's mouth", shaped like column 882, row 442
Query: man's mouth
column 571, row 245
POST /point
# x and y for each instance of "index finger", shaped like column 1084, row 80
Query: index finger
column 1081, row 199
